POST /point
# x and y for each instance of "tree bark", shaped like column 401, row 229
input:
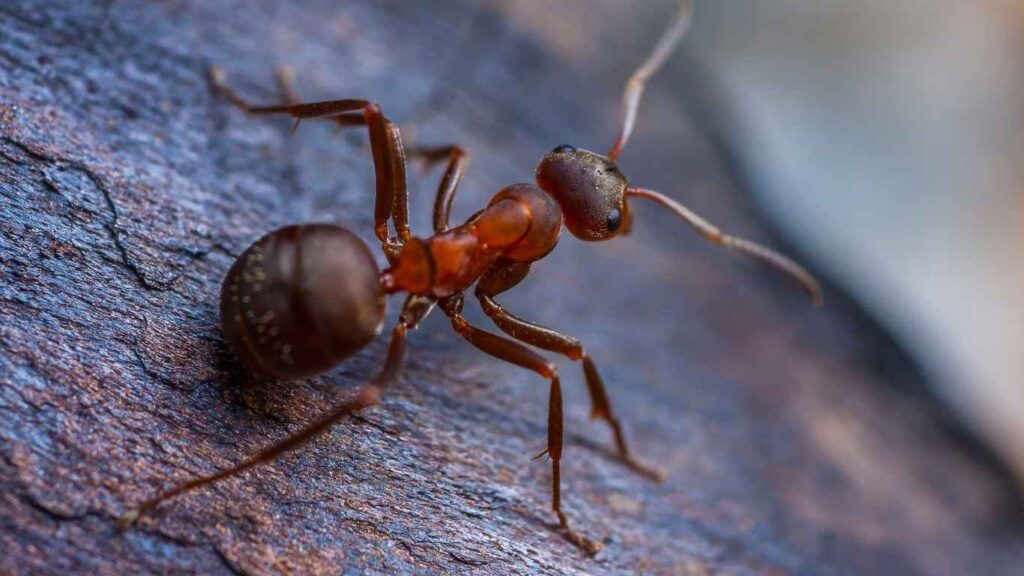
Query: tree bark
column 796, row 441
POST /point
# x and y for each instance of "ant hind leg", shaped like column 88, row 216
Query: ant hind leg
column 368, row 395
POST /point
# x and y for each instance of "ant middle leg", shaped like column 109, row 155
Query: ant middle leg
column 518, row 354
column 458, row 159
column 505, row 275
column 389, row 158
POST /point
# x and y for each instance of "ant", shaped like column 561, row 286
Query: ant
column 305, row 297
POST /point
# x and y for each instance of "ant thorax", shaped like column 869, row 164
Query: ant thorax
column 521, row 224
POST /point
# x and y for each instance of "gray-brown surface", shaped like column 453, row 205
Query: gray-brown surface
column 126, row 185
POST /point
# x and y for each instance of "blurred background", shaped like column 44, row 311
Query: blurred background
column 886, row 140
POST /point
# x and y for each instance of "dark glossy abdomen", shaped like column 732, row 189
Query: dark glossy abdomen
column 300, row 300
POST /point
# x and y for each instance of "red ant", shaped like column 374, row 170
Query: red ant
column 303, row 298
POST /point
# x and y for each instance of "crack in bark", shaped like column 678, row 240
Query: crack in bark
column 112, row 226
column 228, row 563
column 476, row 562
column 54, row 514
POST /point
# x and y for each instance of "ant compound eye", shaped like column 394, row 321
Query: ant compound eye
column 614, row 220
column 564, row 148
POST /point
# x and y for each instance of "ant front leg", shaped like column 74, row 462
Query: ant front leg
column 515, row 353
column 505, row 275
column 389, row 159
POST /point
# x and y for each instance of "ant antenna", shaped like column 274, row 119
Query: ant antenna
column 713, row 234
column 635, row 86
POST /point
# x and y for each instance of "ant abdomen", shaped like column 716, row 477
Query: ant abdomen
column 300, row 300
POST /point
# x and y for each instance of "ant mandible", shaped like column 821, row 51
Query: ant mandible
column 303, row 298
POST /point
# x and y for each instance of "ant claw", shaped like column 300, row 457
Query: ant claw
column 591, row 547
column 127, row 519
column 651, row 473
column 217, row 75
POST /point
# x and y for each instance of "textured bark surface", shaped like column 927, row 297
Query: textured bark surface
column 793, row 438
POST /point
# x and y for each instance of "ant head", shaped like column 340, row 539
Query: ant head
column 590, row 190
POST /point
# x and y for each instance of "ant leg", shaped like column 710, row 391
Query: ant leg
column 518, row 354
column 458, row 159
column 368, row 395
column 635, row 86
column 385, row 142
column 286, row 81
column 505, row 275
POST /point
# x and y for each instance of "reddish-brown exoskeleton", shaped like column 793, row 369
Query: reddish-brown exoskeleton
column 303, row 298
